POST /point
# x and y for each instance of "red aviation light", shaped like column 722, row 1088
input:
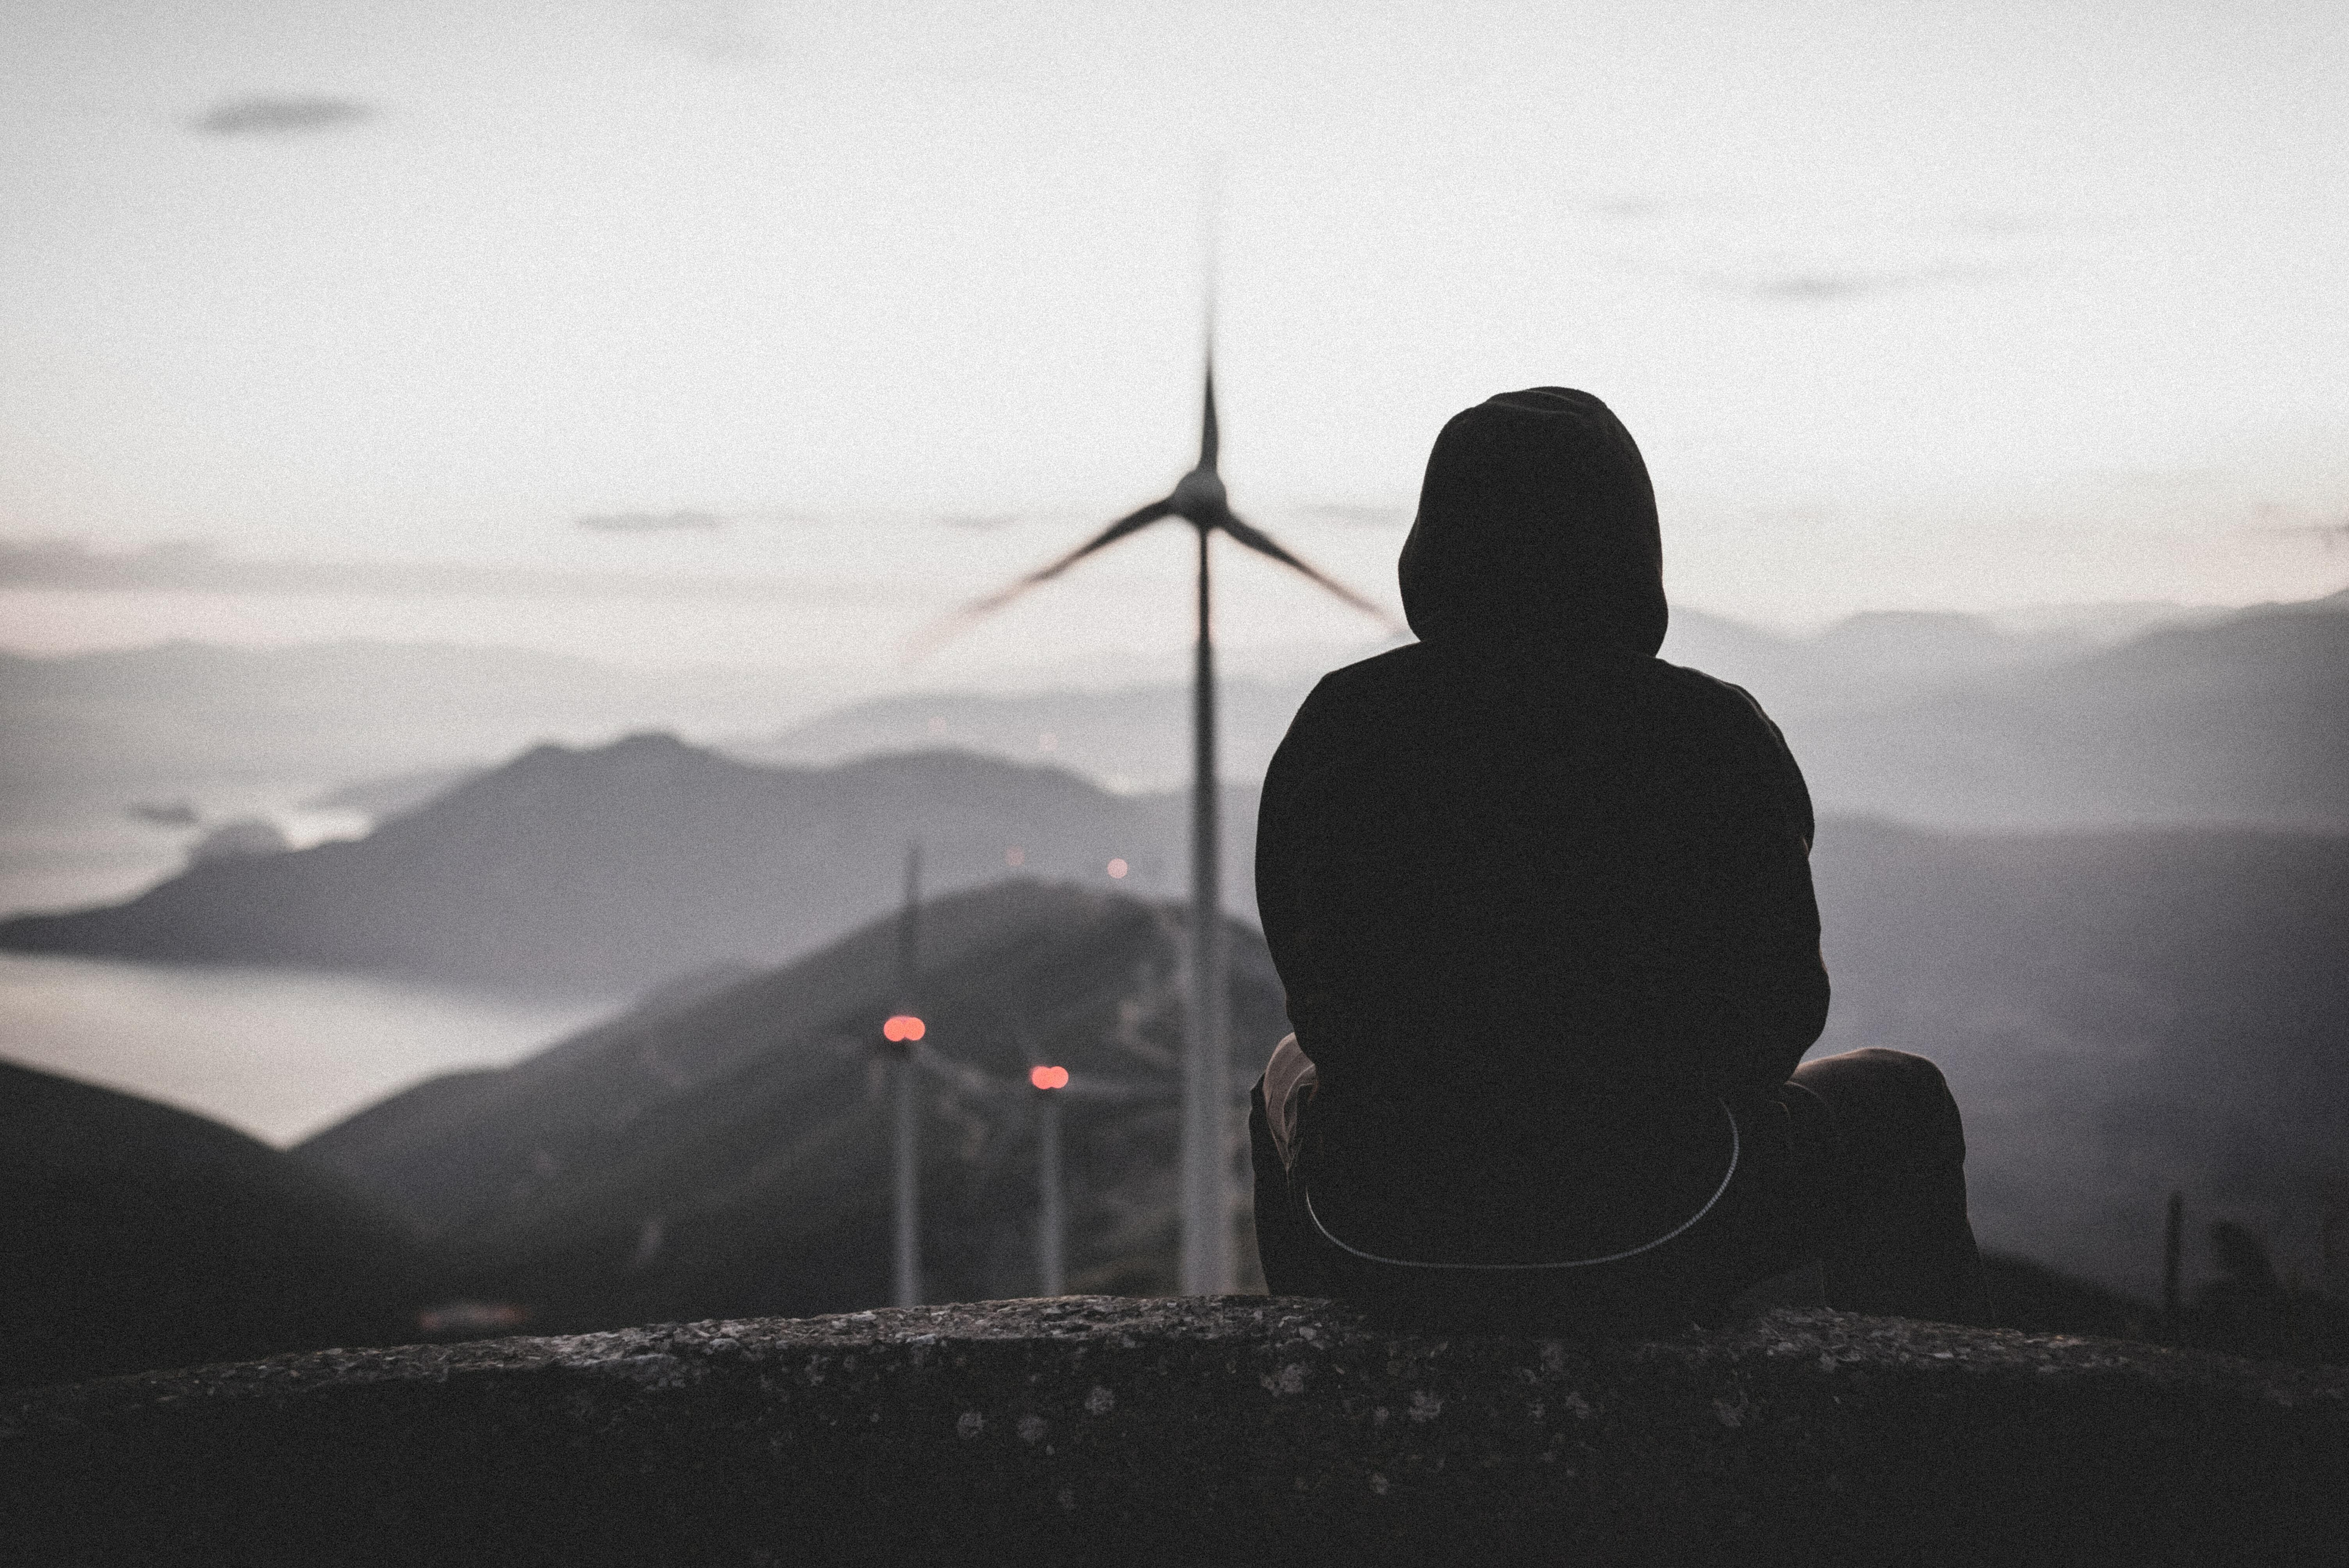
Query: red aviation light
column 903, row 1027
column 1048, row 1078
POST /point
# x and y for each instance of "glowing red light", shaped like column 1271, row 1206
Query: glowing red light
column 1048, row 1078
column 904, row 1026
column 1118, row 867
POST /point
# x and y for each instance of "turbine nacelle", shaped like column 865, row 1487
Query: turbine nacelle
column 1199, row 499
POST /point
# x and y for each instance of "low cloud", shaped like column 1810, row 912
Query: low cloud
column 1821, row 287
column 1625, row 207
column 1365, row 516
column 1836, row 288
column 281, row 117
column 981, row 522
column 649, row 521
column 2331, row 535
column 192, row 566
column 717, row 31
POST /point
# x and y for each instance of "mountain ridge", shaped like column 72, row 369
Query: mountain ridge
column 609, row 868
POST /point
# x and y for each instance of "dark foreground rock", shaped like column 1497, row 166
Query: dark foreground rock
column 1192, row 1432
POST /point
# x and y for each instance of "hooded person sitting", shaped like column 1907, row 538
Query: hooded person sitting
column 1541, row 904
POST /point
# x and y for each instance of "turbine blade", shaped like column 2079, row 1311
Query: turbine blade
column 1208, row 438
column 1263, row 543
column 957, row 621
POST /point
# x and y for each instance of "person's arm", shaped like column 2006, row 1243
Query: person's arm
column 1311, row 824
column 1781, row 979
column 1730, row 955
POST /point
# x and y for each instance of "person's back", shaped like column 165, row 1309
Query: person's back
column 1542, row 906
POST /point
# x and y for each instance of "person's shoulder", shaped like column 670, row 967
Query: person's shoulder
column 1380, row 681
column 1351, row 709
column 1708, row 694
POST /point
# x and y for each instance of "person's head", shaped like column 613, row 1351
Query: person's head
column 1536, row 528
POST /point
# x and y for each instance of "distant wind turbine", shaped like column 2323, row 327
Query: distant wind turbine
column 1198, row 499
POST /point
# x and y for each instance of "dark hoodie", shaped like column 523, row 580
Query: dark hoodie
column 1523, row 873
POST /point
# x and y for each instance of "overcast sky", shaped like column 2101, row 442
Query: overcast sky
column 1916, row 305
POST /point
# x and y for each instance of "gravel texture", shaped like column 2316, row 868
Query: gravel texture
column 1197, row 1430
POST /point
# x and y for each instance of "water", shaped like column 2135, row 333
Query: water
column 278, row 1054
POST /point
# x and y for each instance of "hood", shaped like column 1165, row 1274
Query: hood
column 1536, row 527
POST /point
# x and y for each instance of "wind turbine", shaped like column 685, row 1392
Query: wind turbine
column 1198, row 499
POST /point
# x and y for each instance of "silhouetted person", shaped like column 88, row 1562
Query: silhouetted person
column 1542, row 905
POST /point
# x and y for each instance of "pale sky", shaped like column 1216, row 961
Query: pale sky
column 1962, row 306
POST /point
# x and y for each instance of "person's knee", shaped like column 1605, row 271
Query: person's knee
column 1916, row 1075
column 1876, row 1093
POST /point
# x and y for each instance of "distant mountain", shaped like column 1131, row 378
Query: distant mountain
column 1939, row 720
column 608, row 869
column 2122, row 1016
column 182, row 711
column 1130, row 739
column 262, row 732
column 2242, row 720
column 1138, row 737
column 134, row 1236
column 725, row 1151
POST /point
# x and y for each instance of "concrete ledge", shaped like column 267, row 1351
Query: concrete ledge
column 1196, row 1431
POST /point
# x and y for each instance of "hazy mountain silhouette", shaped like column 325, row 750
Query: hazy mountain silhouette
column 1131, row 737
column 1138, row 737
column 725, row 1151
column 333, row 711
column 133, row 1236
column 264, row 731
column 2243, row 720
column 90, row 732
column 1939, row 719
column 610, row 868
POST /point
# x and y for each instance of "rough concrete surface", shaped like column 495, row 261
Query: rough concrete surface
column 1204, row 1430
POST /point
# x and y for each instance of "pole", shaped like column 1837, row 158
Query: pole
column 2173, row 1244
column 1051, row 1218
column 906, row 1260
column 905, row 1264
column 1206, row 1206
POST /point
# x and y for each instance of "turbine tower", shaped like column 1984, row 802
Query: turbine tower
column 1198, row 499
column 903, row 1032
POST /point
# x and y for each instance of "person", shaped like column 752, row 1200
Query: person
column 1541, row 904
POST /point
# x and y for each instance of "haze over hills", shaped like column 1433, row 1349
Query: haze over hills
column 1937, row 719
column 608, row 869
column 1137, row 737
column 156, row 717
column 724, row 1148
column 110, row 726
column 2240, row 720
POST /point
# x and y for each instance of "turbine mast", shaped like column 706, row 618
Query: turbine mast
column 1206, row 1067
column 905, row 1250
